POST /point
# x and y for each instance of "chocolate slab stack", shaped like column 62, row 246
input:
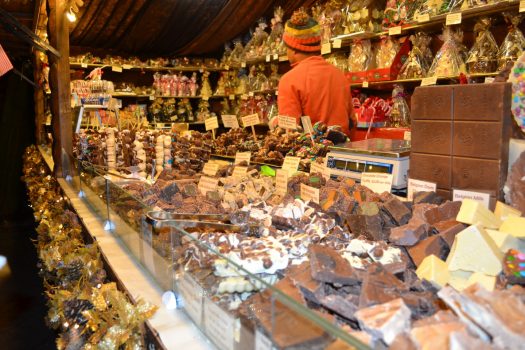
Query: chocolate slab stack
column 460, row 137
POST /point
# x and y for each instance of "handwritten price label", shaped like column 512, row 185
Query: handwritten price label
column 453, row 18
column 243, row 157
column 419, row 186
column 207, row 184
column 281, row 182
column 117, row 69
column 251, row 120
column 240, row 171
column 230, row 121
column 377, row 182
column 211, row 123
column 394, row 31
column 210, row 169
column 309, row 193
column 460, row 195
column 287, row 122
column 429, row 81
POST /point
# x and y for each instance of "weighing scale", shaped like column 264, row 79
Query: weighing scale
column 374, row 156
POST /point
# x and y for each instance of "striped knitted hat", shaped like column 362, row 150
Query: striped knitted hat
column 302, row 33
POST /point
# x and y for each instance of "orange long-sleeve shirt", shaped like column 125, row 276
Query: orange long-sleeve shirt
column 315, row 88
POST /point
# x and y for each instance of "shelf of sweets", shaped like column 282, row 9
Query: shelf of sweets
column 428, row 22
column 257, row 60
column 249, row 94
column 145, row 68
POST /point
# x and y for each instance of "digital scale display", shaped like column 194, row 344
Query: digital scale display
column 359, row 166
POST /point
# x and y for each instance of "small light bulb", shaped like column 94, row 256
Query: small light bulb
column 71, row 16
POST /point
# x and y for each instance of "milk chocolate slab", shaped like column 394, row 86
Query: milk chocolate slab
column 478, row 140
column 432, row 102
column 477, row 174
column 301, row 276
column 449, row 233
column 432, row 168
column 380, row 286
column 329, row 266
column 482, row 102
column 431, row 136
column 345, row 307
column 432, row 245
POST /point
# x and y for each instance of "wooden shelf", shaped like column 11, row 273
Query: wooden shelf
column 418, row 80
column 145, row 68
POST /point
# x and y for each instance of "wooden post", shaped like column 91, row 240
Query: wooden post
column 60, row 91
column 39, row 100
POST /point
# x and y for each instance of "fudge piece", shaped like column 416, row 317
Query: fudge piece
column 433, row 245
column 398, row 211
column 385, row 321
column 329, row 266
column 434, row 270
column 514, row 267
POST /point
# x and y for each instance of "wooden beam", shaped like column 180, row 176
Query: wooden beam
column 60, row 91
column 39, row 97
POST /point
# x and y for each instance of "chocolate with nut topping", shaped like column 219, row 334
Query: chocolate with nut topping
column 329, row 266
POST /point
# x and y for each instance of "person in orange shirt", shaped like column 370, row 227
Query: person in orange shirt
column 313, row 87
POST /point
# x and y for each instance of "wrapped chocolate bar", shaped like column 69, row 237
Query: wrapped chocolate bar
column 400, row 113
column 448, row 60
column 419, row 58
column 360, row 57
column 483, row 55
column 386, row 52
column 514, row 42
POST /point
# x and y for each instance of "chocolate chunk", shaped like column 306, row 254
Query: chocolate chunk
column 449, row 210
column 190, row 190
column 450, row 233
column 368, row 208
column 301, row 276
column 422, row 304
column 427, row 197
column 432, row 245
column 345, row 307
column 410, row 234
column 368, row 226
column 398, row 211
column 329, row 266
column 380, row 286
column 422, row 210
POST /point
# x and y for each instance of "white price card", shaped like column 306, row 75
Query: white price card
column 83, row 65
column 227, row 67
column 428, row 81
column 317, row 168
column 407, row 136
column 377, row 182
column 207, row 184
column 286, row 122
column 394, row 30
column 210, row 169
column 336, row 44
column 219, row 325
column 453, row 18
column 262, row 342
column 205, row 98
column 365, row 84
column 117, row 69
column 242, row 157
column 326, row 48
column 192, row 296
column 522, row 6
column 230, row 121
column 268, row 58
column 275, row 56
column 307, row 124
column 127, row 66
column 291, row 164
column 152, row 98
column 419, row 186
column 459, row 195
column 309, row 193
column 489, row 80
column 243, row 64
column 251, row 94
column 211, row 123
column 240, row 171
column 250, row 120
column 425, row 17
column 281, row 182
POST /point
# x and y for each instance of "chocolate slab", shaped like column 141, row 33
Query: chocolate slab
column 398, row 211
column 410, row 234
column 301, row 276
column 380, row 286
column 342, row 306
column 432, row 102
column 478, row 140
column 482, row 102
column 427, row 197
column 449, row 234
column 478, row 174
column 432, row 245
column 368, row 226
column 431, row 137
column 432, row 168
column 329, row 266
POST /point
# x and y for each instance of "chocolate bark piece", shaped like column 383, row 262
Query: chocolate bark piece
column 301, row 276
column 380, row 286
column 190, row 190
column 432, row 245
column 385, row 321
column 329, row 266
column 421, row 304
column 514, row 267
column 420, row 210
column 410, row 234
column 427, row 197
column 346, row 307
column 449, row 210
column 368, row 226
column 450, row 233
column 368, row 208
column 398, row 211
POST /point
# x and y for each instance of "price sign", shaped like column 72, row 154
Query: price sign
column 453, row 18
column 251, row 94
column 365, row 84
column 268, row 58
column 210, row 169
column 207, row 184
column 240, row 171
column 283, row 58
column 192, row 296
column 287, row 122
column 281, row 182
column 152, row 98
column 407, row 136
column 326, row 48
column 230, row 121
column 232, row 97
column 127, row 66
column 242, row 157
column 459, row 195
column 83, row 65
column 250, row 120
column 211, row 123
column 243, row 64
column 117, row 69
column 419, row 186
column 275, row 56
column 309, row 193
column 423, row 18
column 489, row 80
column 337, row 43
column 377, row 182
column 428, row 81
column 316, row 168
column 291, row 164
column 394, row 30
column 307, row 124
column 219, row 325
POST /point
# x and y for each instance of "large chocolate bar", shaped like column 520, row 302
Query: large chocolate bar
column 477, row 140
column 432, row 102
column 482, row 102
column 433, row 168
column 429, row 136
column 477, row 174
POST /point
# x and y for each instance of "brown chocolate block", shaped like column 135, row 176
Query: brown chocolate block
column 369, row 226
column 398, row 211
column 483, row 102
column 301, row 275
column 432, row 102
column 478, row 140
column 329, row 266
column 478, row 174
column 410, row 234
column 432, row 168
column 444, row 193
column 450, row 233
column 432, row 245
column 432, row 136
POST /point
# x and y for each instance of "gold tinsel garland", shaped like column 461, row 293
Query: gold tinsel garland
column 90, row 313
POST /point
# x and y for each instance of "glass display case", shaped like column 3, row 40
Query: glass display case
column 230, row 282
